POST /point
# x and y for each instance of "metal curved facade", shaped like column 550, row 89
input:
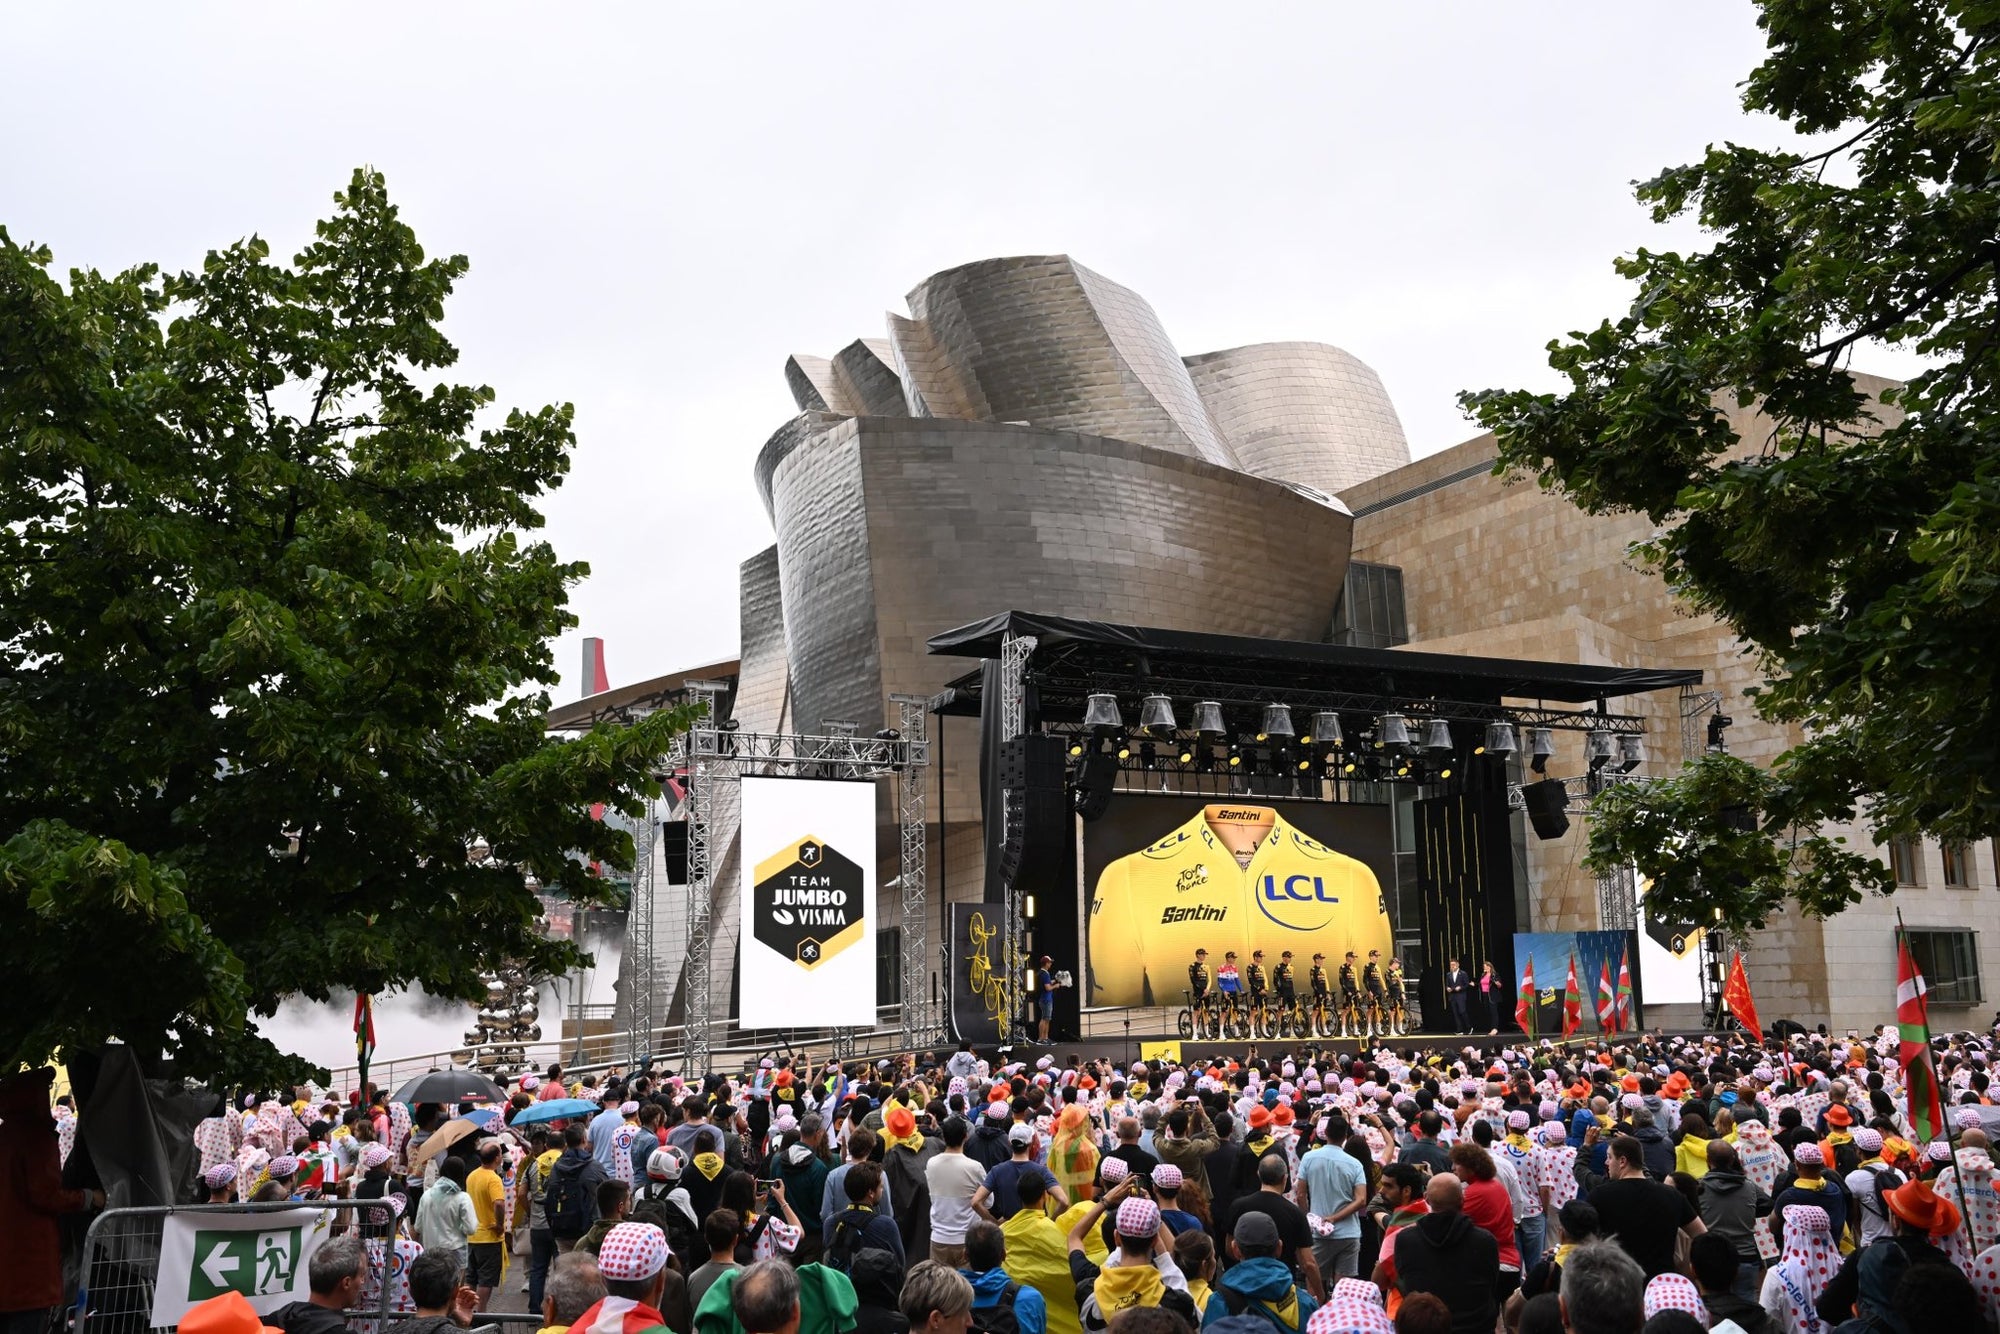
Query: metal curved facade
column 1302, row 412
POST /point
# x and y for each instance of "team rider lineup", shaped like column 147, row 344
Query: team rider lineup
column 1370, row 1002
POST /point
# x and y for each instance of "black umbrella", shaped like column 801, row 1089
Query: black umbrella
column 451, row 1086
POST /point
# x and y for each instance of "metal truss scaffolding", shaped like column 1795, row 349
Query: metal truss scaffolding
column 716, row 755
column 921, row 1021
column 1015, row 652
column 643, row 974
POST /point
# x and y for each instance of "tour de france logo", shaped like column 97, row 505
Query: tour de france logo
column 808, row 902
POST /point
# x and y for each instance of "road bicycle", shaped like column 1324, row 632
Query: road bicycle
column 1199, row 1018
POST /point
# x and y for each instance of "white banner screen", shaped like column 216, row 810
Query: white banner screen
column 807, row 903
column 1669, row 957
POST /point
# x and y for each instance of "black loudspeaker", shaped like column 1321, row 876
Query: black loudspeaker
column 1546, row 802
column 674, row 847
column 1038, row 838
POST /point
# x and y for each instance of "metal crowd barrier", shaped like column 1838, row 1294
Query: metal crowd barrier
column 121, row 1260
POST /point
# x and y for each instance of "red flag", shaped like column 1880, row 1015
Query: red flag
column 364, row 1040
column 1737, row 995
column 1524, row 1008
column 1625, row 989
column 1572, row 1000
column 1607, row 999
column 1914, row 1027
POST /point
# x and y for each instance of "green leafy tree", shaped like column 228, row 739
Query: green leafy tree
column 273, row 649
column 1856, row 547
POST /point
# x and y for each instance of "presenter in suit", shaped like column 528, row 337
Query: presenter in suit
column 1458, row 995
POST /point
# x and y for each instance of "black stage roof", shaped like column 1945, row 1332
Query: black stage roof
column 1070, row 653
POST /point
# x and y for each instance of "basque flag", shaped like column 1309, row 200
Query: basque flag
column 1572, row 1000
column 1524, row 1008
column 1607, row 999
column 1914, row 1028
column 1625, row 989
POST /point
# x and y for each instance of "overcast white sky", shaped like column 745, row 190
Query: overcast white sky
column 661, row 203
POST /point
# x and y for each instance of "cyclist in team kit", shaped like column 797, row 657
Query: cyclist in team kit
column 1322, row 995
column 1281, row 982
column 1350, row 998
column 1229, row 982
column 1259, row 988
column 1200, row 981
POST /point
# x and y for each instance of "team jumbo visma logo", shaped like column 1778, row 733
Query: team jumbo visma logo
column 808, row 902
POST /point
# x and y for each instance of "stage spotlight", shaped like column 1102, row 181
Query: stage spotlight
column 1718, row 723
column 1156, row 715
column 1183, row 753
column 1392, row 731
column 1348, row 767
column 1500, row 739
column 1102, row 711
column 1631, row 752
column 1235, row 758
column 1149, row 756
column 1403, row 769
column 1278, row 720
column 1076, row 748
column 1326, row 728
column 1208, row 718
column 1122, row 746
column 1444, row 773
column 1305, row 763
column 1541, row 748
column 888, row 734
column 1437, row 736
column 1598, row 748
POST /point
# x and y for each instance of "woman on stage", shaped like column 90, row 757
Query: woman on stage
column 1489, row 999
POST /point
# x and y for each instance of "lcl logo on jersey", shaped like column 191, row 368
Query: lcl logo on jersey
column 1290, row 902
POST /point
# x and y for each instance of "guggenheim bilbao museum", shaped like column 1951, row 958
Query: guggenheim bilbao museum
column 1029, row 437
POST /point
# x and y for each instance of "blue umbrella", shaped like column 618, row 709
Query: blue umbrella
column 556, row 1109
column 483, row 1117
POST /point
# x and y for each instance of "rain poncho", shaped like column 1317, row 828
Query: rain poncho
column 1072, row 1158
column 1793, row 1285
column 1038, row 1258
column 1762, row 1160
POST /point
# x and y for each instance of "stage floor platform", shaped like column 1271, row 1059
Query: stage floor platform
column 1125, row 1049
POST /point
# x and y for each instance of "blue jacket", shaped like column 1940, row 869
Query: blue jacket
column 1030, row 1312
column 1263, row 1286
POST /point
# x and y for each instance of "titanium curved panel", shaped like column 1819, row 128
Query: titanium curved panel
column 1302, row 412
column 893, row 529
column 864, row 373
column 1038, row 339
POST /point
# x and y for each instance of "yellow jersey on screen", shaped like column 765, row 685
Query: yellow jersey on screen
column 1152, row 909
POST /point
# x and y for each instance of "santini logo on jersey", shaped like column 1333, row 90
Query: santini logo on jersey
column 1200, row 912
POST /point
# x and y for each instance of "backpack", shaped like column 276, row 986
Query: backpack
column 1886, row 1180
column 999, row 1318
column 569, row 1204
column 850, row 1227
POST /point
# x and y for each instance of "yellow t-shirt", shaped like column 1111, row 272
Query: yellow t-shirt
column 1150, row 910
column 489, row 1204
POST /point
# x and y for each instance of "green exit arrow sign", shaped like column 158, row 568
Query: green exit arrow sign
column 255, row 1264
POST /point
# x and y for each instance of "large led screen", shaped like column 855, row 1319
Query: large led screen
column 1167, row 875
column 808, row 903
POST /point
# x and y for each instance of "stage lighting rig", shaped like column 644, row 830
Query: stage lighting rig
column 1719, row 723
column 1631, row 752
column 1541, row 748
column 1156, row 715
column 1392, row 732
column 1599, row 747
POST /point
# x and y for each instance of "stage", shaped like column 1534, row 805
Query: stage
column 1123, row 1049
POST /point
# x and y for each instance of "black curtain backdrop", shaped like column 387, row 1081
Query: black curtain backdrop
column 1465, row 881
